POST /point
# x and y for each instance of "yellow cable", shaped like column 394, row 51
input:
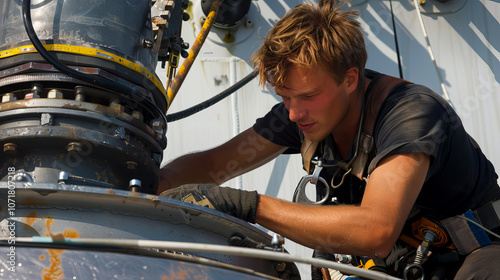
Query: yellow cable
column 193, row 52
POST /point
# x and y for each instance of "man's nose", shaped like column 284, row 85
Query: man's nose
column 296, row 112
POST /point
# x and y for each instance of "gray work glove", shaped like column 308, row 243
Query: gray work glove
column 238, row 203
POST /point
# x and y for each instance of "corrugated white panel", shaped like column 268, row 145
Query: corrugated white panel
column 463, row 36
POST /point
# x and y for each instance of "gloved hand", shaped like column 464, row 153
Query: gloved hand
column 238, row 203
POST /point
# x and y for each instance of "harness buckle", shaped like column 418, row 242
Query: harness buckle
column 300, row 195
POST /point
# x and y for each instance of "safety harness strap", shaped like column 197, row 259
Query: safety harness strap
column 376, row 97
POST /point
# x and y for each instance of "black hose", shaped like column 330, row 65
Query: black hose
column 195, row 109
column 108, row 84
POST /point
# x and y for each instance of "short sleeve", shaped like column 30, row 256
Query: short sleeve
column 414, row 120
column 276, row 127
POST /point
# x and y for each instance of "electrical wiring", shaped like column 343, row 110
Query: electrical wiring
column 209, row 102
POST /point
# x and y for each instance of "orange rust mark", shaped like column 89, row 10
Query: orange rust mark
column 54, row 271
column 30, row 220
column 42, row 257
column 182, row 273
column 135, row 194
column 110, row 191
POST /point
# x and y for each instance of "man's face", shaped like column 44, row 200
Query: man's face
column 315, row 101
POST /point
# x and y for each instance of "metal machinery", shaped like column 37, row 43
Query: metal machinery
column 82, row 130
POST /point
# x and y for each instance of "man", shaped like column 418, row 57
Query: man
column 314, row 58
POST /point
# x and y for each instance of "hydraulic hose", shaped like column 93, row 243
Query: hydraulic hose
column 108, row 84
column 195, row 109
column 193, row 52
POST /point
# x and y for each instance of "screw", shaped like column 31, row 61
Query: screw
column 10, row 148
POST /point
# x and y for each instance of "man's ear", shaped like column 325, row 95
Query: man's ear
column 351, row 79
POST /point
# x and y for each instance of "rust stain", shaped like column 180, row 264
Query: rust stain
column 135, row 194
column 110, row 191
column 178, row 272
column 54, row 271
column 30, row 220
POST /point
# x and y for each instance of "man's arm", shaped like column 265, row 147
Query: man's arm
column 246, row 151
column 368, row 229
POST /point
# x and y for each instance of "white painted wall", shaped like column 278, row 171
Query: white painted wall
column 463, row 36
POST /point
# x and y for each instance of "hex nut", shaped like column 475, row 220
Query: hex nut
column 10, row 148
column 8, row 97
column 117, row 106
column 138, row 115
column 55, row 94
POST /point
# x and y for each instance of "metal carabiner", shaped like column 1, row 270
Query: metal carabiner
column 300, row 196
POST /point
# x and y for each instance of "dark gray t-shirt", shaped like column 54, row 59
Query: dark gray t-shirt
column 413, row 119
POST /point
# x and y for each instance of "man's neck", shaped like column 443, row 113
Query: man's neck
column 345, row 134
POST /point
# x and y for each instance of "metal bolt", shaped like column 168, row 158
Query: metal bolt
column 31, row 95
column 132, row 165
column 63, row 176
column 74, row 146
column 8, row 97
column 37, row 88
column 134, row 185
column 80, row 97
column 55, row 94
column 147, row 44
column 160, row 127
column 138, row 115
column 10, row 148
column 117, row 106
column 79, row 94
column 280, row 267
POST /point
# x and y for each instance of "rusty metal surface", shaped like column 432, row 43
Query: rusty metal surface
column 88, row 212
column 45, row 264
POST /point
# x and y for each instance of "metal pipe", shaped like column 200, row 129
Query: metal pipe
column 193, row 52
column 210, row 248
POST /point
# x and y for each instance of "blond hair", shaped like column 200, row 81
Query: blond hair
column 312, row 35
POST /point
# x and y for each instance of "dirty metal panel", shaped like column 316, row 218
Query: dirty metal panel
column 39, row 263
